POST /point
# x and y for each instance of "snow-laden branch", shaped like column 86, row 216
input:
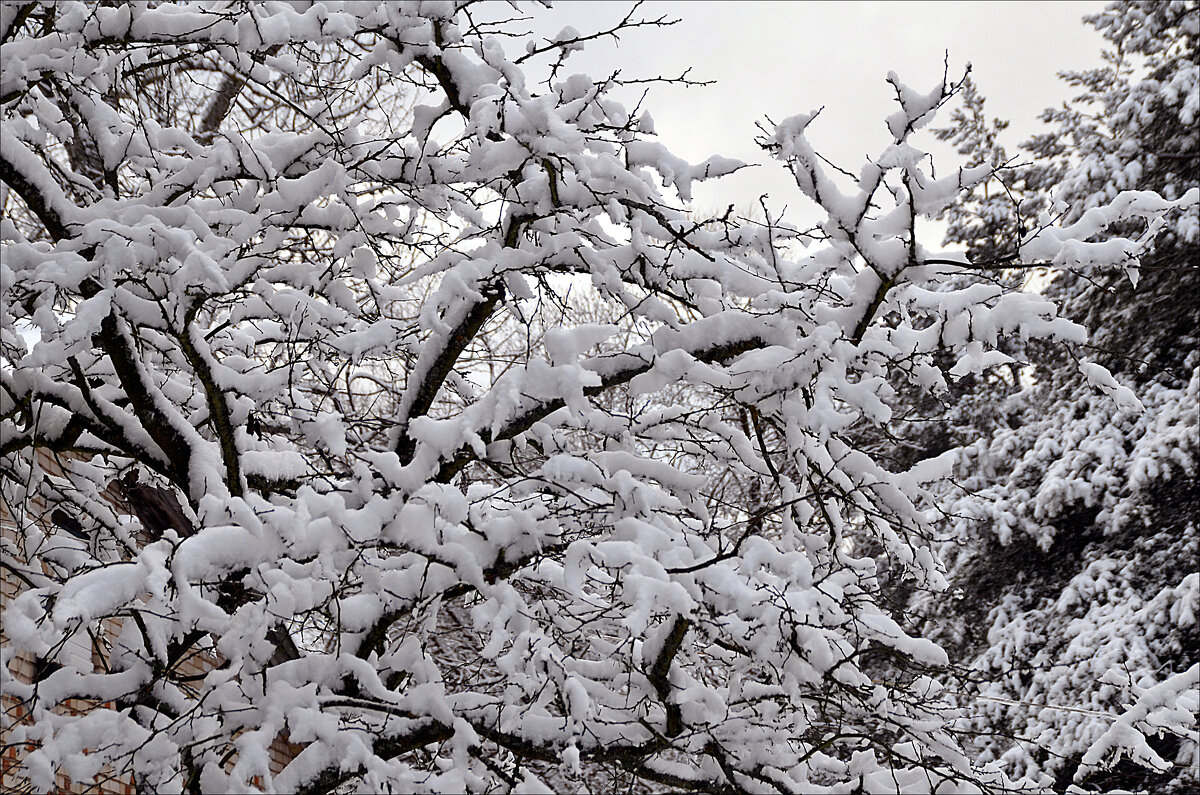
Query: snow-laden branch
column 404, row 414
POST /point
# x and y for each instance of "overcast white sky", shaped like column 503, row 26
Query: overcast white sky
column 778, row 59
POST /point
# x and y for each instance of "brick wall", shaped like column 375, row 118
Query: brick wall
column 83, row 653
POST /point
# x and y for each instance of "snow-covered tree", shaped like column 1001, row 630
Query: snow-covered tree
column 293, row 383
column 1076, row 545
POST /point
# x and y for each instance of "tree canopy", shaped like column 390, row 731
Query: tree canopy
column 406, row 393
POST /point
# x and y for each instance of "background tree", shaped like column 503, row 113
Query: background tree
column 1077, row 546
column 336, row 335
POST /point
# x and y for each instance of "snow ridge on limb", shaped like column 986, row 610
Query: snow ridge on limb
column 1169, row 706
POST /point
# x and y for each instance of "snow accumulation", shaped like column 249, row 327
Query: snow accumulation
column 471, row 460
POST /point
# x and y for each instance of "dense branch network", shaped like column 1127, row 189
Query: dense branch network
column 424, row 369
